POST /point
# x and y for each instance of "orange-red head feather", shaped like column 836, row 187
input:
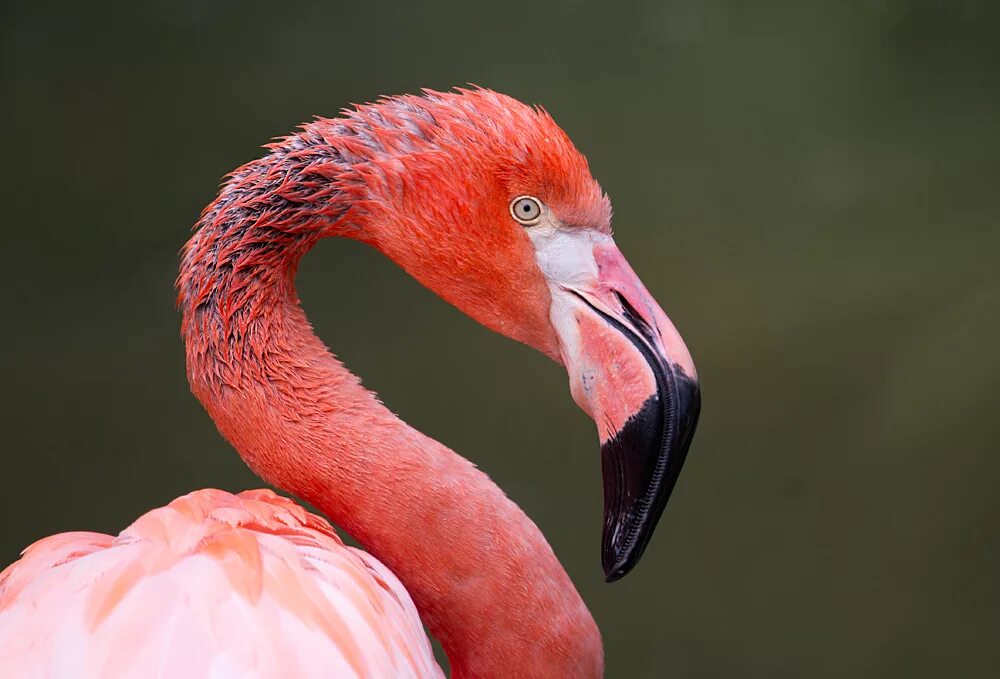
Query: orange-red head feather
column 428, row 181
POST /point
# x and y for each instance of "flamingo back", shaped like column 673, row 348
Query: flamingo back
column 211, row 585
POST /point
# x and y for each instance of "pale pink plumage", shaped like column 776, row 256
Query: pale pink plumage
column 212, row 585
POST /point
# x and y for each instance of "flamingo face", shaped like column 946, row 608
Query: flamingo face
column 628, row 367
column 491, row 206
column 629, row 370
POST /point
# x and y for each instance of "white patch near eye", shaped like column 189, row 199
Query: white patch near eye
column 566, row 259
column 565, row 256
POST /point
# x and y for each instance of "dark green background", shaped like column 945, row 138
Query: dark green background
column 809, row 189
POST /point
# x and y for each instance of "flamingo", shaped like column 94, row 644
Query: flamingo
column 485, row 201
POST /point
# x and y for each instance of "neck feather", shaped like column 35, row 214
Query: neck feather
column 483, row 577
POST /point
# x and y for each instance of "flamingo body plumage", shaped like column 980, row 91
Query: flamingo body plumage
column 211, row 585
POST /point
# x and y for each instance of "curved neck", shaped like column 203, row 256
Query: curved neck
column 484, row 579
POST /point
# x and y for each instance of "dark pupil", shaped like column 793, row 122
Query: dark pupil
column 526, row 208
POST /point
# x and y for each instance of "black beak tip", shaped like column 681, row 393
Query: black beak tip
column 619, row 557
column 614, row 575
column 617, row 562
column 640, row 467
column 616, row 571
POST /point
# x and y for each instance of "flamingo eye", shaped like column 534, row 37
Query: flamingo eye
column 526, row 210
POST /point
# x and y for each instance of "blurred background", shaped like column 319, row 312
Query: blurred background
column 811, row 190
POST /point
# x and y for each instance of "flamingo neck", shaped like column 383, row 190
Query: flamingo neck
column 482, row 576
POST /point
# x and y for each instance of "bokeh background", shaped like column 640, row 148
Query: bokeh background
column 811, row 190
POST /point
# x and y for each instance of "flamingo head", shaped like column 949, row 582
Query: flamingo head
column 487, row 202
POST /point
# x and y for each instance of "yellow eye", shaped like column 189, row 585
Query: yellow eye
column 526, row 210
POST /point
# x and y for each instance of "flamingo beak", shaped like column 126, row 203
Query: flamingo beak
column 631, row 372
